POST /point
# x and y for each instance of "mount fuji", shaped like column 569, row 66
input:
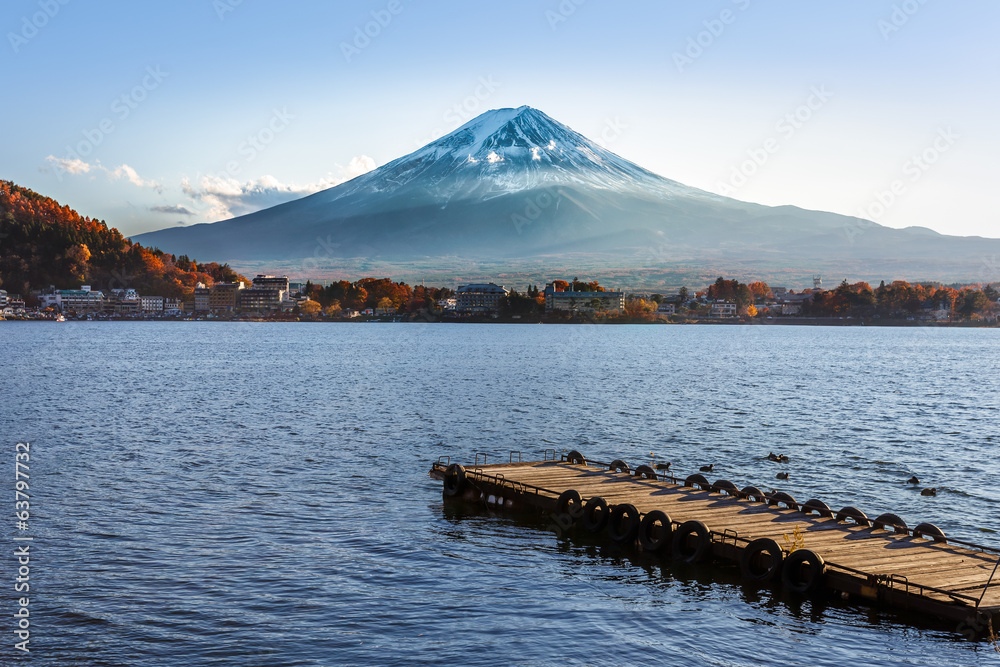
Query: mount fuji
column 515, row 188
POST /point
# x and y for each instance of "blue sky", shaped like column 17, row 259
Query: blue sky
column 149, row 115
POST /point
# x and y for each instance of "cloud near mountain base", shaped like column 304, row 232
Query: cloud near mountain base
column 226, row 197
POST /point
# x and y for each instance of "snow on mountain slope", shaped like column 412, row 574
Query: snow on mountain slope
column 516, row 184
column 506, row 151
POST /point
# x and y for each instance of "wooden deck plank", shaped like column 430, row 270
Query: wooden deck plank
column 921, row 562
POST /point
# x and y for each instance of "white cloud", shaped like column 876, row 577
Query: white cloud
column 72, row 166
column 359, row 165
column 78, row 166
column 129, row 174
column 227, row 197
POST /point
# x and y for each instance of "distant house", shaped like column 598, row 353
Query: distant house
column 83, row 300
column 122, row 302
column 582, row 301
column 259, row 300
column 723, row 309
column 173, row 307
column 224, row 297
column 151, row 304
column 201, row 298
column 666, row 308
column 266, row 294
column 790, row 308
column 480, row 298
column 262, row 281
column 791, row 304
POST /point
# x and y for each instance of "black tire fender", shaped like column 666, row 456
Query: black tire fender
column 725, row 486
column 570, row 504
column 889, row 521
column 818, row 506
column 750, row 557
column 782, row 497
column 620, row 466
column 576, row 457
column 595, row 514
column 680, row 547
column 849, row 512
column 645, row 471
column 454, row 480
column 753, row 493
column 651, row 539
column 699, row 481
column 623, row 523
column 929, row 530
column 792, row 576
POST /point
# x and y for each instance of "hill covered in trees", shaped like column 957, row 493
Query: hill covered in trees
column 43, row 243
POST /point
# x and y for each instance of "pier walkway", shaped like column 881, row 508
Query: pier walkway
column 807, row 547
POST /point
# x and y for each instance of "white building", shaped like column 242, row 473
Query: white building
column 480, row 298
column 83, row 300
column 723, row 309
column 151, row 304
column 583, row 301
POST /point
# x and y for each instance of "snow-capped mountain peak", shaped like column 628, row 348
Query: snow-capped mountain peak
column 510, row 150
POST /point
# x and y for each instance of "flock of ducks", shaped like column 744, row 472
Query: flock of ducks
column 782, row 458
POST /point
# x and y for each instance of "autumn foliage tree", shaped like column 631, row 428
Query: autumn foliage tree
column 759, row 290
column 639, row 309
column 732, row 291
column 43, row 243
column 310, row 308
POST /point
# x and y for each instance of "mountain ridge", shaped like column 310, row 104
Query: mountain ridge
column 517, row 184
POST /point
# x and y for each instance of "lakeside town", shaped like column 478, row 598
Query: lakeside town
column 277, row 298
column 58, row 265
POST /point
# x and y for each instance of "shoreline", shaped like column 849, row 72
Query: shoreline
column 433, row 319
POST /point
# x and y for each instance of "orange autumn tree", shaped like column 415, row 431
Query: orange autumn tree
column 760, row 290
column 44, row 243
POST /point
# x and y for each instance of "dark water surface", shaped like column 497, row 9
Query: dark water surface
column 257, row 494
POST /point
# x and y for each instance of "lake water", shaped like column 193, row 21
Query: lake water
column 258, row 493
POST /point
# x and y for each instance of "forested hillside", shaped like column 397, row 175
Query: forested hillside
column 43, row 243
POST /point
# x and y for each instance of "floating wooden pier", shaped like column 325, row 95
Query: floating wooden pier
column 806, row 548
